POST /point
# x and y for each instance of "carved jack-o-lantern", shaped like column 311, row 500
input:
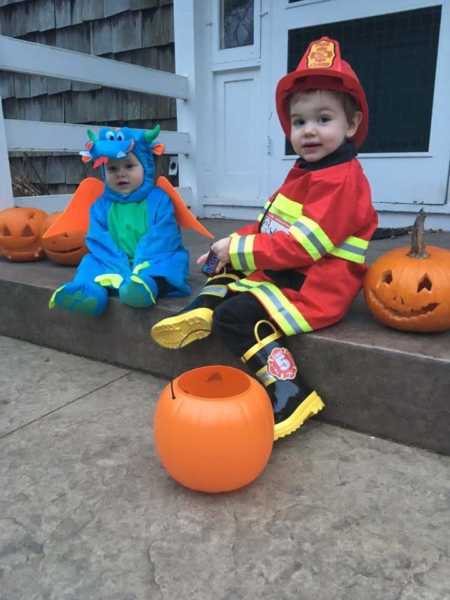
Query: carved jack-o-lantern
column 409, row 288
column 65, row 248
column 20, row 233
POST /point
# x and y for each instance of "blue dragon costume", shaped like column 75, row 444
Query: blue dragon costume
column 134, row 240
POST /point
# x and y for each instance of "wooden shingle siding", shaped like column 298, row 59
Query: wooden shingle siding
column 86, row 10
column 127, row 32
column 101, row 37
column 25, row 17
column 114, row 7
column 157, row 27
column 63, row 13
column 135, row 31
column 6, row 2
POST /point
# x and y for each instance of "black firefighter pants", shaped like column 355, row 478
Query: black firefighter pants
column 234, row 321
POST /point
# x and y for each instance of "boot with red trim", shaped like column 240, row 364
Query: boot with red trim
column 293, row 401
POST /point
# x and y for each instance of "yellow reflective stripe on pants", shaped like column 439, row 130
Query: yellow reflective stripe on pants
column 214, row 290
column 284, row 313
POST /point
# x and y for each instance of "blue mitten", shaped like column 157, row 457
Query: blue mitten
column 138, row 293
column 87, row 298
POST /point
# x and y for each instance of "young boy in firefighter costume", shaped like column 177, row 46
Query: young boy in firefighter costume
column 300, row 265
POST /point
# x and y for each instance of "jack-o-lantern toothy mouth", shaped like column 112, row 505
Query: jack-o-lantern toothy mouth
column 55, row 251
column 408, row 313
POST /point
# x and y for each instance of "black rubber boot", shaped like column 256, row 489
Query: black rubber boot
column 293, row 401
column 194, row 321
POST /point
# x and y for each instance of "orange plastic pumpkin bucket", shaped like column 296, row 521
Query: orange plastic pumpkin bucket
column 213, row 428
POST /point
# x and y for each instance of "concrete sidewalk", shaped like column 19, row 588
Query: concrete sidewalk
column 87, row 512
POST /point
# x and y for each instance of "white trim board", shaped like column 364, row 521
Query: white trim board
column 37, row 136
column 38, row 59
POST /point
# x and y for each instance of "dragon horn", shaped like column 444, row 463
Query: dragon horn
column 91, row 135
column 151, row 134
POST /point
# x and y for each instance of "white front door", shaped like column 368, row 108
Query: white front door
column 401, row 52
column 236, row 122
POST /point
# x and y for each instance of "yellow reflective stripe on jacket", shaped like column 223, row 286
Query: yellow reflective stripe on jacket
column 286, row 209
column 261, row 215
column 309, row 234
column 352, row 249
column 284, row 313
column 241, row 252
column 312, row 237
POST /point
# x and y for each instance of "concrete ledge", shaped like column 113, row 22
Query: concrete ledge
column 379, row 382
column 375, row 380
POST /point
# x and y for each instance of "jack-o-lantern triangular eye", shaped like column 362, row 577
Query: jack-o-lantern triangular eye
column 424, row 283
column 27, row 231
column 387, row 277
column 6, row 231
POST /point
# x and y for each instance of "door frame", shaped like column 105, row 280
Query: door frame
column 288, row 16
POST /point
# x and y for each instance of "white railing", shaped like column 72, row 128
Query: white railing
column 36, row 136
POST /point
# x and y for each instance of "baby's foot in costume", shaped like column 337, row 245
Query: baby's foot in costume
column 87, row 298
column 138, row 293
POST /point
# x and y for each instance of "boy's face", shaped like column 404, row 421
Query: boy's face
column 124, row 175
column 319, row 124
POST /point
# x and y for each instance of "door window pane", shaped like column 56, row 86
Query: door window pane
column 236, row 23
column 394, row 56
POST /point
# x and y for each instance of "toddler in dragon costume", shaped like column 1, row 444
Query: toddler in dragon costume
column 134, row 240
column 300, row 265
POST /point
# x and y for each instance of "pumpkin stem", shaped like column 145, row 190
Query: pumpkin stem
column 417, row 237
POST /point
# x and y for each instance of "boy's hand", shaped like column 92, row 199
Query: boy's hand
column 221, row 249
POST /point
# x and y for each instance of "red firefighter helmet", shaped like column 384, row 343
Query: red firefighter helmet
column 322, row 67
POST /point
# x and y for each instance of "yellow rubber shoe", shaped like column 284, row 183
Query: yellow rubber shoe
column 183, row 329
column 308, row 408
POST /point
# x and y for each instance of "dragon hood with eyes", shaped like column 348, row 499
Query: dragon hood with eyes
column 118, row 143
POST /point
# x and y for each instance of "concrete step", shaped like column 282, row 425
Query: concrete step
column 375, row 380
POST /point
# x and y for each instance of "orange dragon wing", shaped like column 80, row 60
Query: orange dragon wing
column 75, row 216
column 183, row 215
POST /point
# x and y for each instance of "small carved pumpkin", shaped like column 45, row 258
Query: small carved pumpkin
column 20, row 233
column 213, row 428
column 409, row 288
column 65, row 248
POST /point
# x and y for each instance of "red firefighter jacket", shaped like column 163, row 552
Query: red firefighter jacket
column 304, row 258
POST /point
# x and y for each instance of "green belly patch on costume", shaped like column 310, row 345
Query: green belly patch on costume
column 127, row 223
